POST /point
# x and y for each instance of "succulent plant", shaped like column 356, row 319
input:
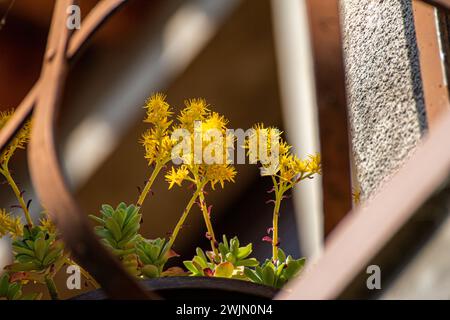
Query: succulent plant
column 13, row 291
column 38, row 257
column 153, row 254
column 38, row 251
column 238, row 256
column 229, row 263
column 118, row 230
column 276, row 275
column 119, row 227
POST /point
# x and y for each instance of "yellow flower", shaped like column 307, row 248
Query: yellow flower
column 212, row 168
column 284, row 165
column 287, row 171
column 195, row 110
column 4, row 117
column 219, row 173
column 265, row 144
column 215, row 121
column 300, row 165
column 18, row 142
column 156, row 140
column 47, row 224
column 158, row 110
column 157, row 149
column 10, row 225
column 314, row 164
column 177, row 176
column 150, row 144
column 284, row 148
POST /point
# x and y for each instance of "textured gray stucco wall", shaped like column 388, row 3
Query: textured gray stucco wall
column 387, row 113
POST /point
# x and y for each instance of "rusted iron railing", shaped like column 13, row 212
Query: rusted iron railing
column 369, row 233
column 47, row 174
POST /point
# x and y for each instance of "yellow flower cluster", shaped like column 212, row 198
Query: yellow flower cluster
column 264, row 140
column 218, row 173
column 9, row 225
column 19, row 141
column 177, row 176
column 293, row 169
column 195, row 110
column 282, row 163
column 199, row 121
column 285, row 168
column 156, row 140
column 205, row 157
column 47, row 224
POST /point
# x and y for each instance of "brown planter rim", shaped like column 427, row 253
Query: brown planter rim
column 174, row 287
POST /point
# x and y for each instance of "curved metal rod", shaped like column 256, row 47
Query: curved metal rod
column 21, row 114
column 94, row 20
column 365, row 231
column 91, row 23
column 49, row 181
column 444, row 4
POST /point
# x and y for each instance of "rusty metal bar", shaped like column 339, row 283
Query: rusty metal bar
column 43, row 159
column 434, row 82
column 444, row 33
column 21, row 114
column 324, row 22
column 364, row 232
column 444, row 4
column 95, row 19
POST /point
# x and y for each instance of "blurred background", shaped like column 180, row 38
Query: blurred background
column 224, row 51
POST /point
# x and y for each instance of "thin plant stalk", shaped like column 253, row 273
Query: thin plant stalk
column 18, row 194
column 51, row 286
column 280, row 188
column 276, row 214
column 208, row 223
column 182, row 219
column 149, row 184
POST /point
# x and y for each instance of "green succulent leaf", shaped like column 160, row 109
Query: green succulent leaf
column 252, row 275
column 281, row 255
column 38, row 250
column 13, row 290
column 191, row 267
column 229, row 263
column 293, row 267
column 118, row 228
column 224, row 270
column 150, row 271
column 252, row 262
column 153, row 253
column 278, row 274
column 4, row 285
column 244, row 252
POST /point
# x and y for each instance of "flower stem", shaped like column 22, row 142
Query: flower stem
column 18, row 194
column 51, row 286
column 149, row 184
column 276, row 213
column 208, row 223
column 183, row 217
